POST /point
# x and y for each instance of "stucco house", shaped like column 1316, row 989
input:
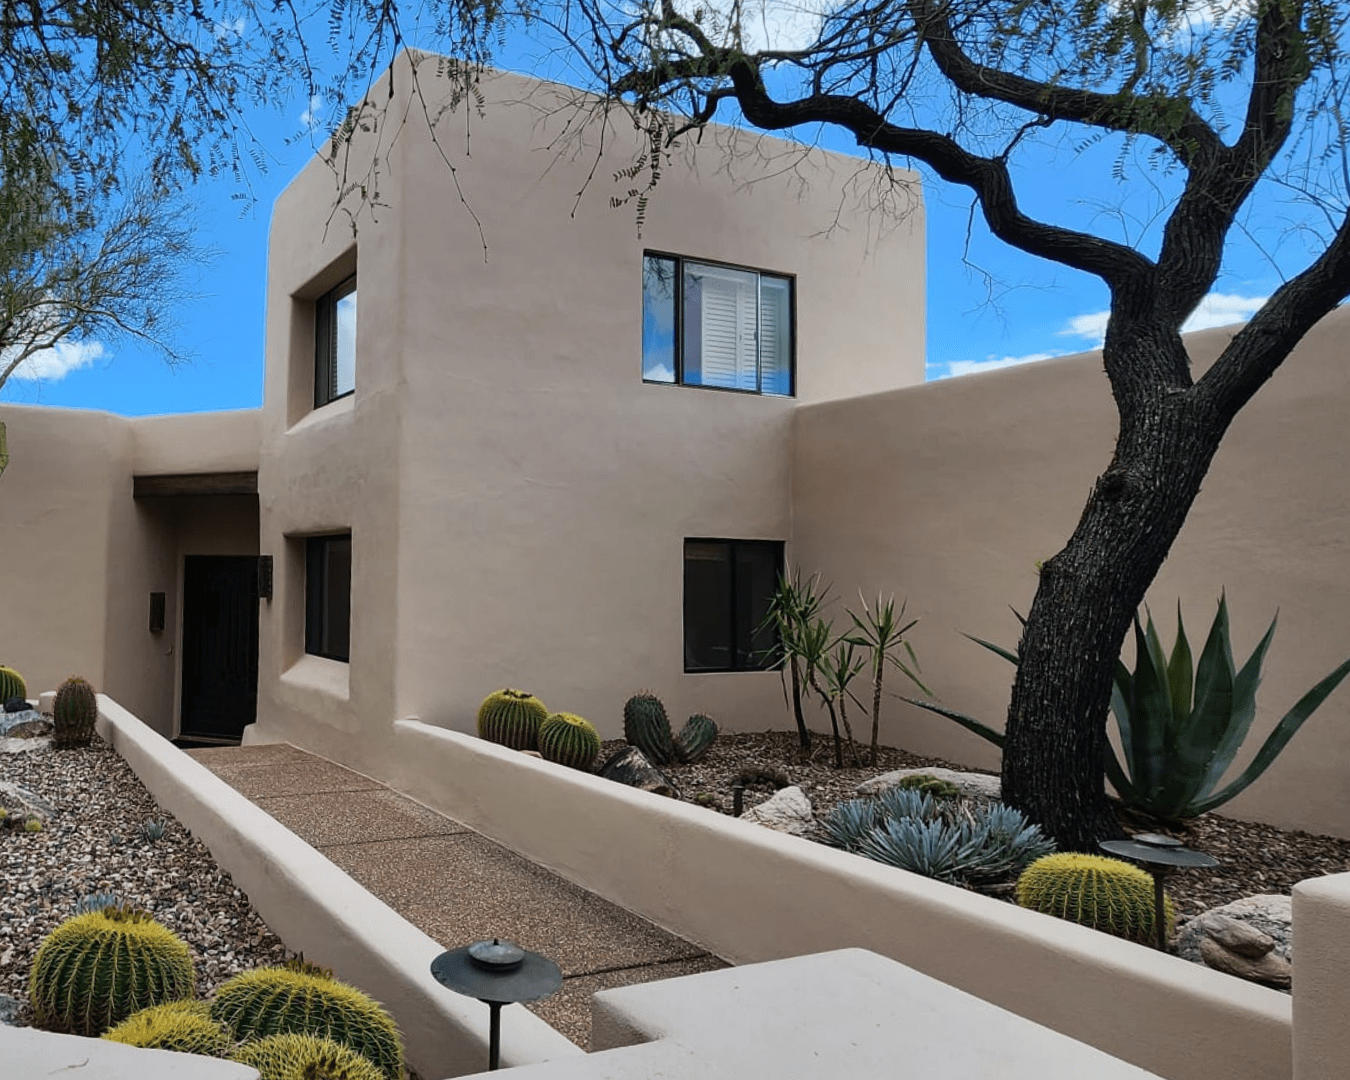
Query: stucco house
column 513, row 439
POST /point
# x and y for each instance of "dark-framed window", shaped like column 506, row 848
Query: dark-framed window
column 713, row 325
column 328, row 596
column 335, row 343
column 728, row 585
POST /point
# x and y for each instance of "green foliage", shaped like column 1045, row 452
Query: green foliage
column 152, row 830
column 284, row 1001
column 1181, row 725
column 569, row 740
column 937, row 838
column 646, row 726
column 880, row 630
column 930, row 785
column 305, row 1057
column 11, row 682
column 695, row 738
column 32, row 825
column 185, row 1027
column 794, row 617
column 97, row 969
column 511, row 718
column 1093, row 890
column 96, row 902
column 73, row 714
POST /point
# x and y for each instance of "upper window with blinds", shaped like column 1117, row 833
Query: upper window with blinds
column 727, row 327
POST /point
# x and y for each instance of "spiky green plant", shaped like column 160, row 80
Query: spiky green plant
column 695, row 738
column 646, row 726
column 182, row 1026
column 511, row 718
column 97, row 969
column 1106, row 894
column 569, row 740
column 73, row 714
column 11, row 685
column 281, row 1000
column 792, row 613
column 881, row 631
column 305, row 1057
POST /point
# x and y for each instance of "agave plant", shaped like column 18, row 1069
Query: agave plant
column 1181, row 725
column 1181, row 721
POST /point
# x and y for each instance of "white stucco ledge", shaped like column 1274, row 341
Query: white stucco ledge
column 315, row 908
column 1322, row 988
column 317, row 673
column 26, row 1054
column 848, row 1013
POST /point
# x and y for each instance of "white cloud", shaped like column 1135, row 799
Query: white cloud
column 990, row 363
column 311, row 118
column 780, row 25
column 1216, row 309
column 228, row 30
column 58, row 361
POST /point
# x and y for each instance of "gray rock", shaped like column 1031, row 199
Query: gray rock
column 788, row 811
column 20, row 800
column 9, row 1009
column 1231, row 938
column 972, row 785
column 10, row 720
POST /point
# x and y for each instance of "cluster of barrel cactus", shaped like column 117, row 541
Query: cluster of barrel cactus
column 569, row 740
column 116, row 972
column 646, row 726
column 11, row 685
column 512, row 718
column 1093, row 890
column 73, row 714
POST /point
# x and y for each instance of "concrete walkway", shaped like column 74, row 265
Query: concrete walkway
column 454, row 884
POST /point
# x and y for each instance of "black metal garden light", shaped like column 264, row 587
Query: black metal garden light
column 1159, row 854
column 497, row 973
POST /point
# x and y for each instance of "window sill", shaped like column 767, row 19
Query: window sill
column 342, row 406
column 319, row 675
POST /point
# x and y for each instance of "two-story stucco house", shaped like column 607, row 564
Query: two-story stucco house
column 505, row 440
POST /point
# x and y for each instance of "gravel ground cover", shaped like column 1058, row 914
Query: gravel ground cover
column 1254, row 858
column 94, row 845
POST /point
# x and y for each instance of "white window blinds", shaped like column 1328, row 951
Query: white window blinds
column 728, row 333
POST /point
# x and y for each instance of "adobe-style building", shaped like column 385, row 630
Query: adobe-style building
column 574, row 462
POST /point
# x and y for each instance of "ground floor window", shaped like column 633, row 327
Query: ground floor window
column 328, row 596
column 728, row 585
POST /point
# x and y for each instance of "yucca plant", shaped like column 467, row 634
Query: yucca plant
column 832, row 675
column 881, row 631
column 1182, row 723
column 793, row 612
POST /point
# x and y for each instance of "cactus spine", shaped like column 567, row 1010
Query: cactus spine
column 511, row 718
column 95, row 970
column 1092, row 890
column 11, row 685
column 305, row 1057
column 647, row 727
column 287, row 1001
column 182, row 1026
column 569, row 740
column 74, row 714
column 695, row 737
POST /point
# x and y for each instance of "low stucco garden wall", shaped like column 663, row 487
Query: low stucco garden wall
column 749, row 894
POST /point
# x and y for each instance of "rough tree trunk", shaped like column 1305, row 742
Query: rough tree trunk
column 1053, row 757
column 803, row 732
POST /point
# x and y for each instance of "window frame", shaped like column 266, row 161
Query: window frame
column 680, row 261
column 779, row 550
column 325, row 342
column 317, row 598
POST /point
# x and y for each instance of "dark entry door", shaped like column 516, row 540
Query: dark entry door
column 220, row 646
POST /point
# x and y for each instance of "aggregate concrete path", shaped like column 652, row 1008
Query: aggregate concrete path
column 454, row 884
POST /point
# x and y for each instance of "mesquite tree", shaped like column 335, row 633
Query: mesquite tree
column 1221, row 100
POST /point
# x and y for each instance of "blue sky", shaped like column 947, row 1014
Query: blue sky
column 988, row 305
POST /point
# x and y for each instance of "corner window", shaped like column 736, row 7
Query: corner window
column 328, row 596
column 728, row 585
column 335, row 343
column 719, row 326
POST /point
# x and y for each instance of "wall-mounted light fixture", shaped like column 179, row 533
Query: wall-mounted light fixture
column 265, row 577
column 156, row 612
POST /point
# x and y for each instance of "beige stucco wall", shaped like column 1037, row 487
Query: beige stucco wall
column 81, row 556
column 517, row 496
column 955, row 489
